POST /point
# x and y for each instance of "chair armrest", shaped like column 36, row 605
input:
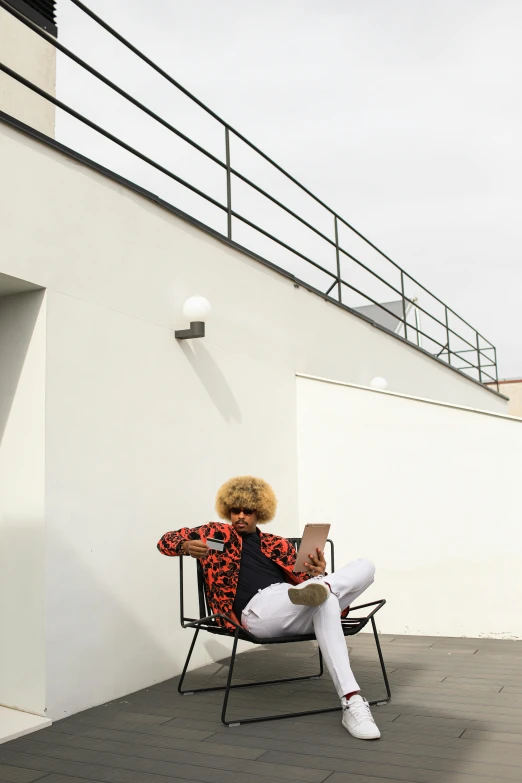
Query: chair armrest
column 207, row 621
column 378, row 605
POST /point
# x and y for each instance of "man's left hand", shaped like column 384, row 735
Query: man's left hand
column 317, row 564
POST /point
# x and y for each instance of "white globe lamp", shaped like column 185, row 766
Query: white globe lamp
column 196, row 310
column 379, row 383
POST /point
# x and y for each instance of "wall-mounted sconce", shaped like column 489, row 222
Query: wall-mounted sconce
column 379, row 383
column 195, row 309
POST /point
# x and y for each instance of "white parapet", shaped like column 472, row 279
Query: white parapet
column 29, row 55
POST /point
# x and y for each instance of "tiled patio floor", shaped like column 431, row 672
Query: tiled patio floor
column 455, row 717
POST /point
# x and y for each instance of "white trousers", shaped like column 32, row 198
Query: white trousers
column 270, row 613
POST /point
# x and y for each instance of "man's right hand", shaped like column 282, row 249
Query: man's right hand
column 197, row 549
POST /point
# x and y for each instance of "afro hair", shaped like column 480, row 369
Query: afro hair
column 247, row 492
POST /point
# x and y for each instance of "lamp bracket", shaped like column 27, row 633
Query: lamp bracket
column 197, row 329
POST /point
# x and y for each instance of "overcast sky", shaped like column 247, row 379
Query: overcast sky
column 404, row 116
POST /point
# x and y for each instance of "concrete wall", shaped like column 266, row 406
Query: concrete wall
column 32, row 57
column 513, row 390
column 430, row 493
column 22, row 511
column 141, row 430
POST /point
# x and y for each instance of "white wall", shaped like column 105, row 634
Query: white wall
column 141, row 430
column 22, row 512
column 118, row 250
column 32, row 57
column 431, row 493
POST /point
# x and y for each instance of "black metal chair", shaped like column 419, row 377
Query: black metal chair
column 207, row 622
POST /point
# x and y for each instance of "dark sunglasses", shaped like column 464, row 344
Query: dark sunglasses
column 246, row 511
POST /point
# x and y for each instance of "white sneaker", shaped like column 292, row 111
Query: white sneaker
column 309, row 593
column 357, row 718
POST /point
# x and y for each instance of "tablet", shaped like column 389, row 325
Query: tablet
column 313, row 538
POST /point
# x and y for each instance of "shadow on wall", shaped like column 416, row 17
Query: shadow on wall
column 110, row 632
column 212, row 379
column 18, row 316
column 22, row 630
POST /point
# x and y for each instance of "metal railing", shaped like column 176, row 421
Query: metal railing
column 333, row 269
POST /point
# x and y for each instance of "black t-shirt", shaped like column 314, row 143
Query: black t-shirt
column 256, row 571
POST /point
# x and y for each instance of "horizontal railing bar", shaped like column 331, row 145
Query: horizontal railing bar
column 107, row 135
column 434, row 317
column 326, row 271
column 375, row 274
column 470, row 350
column 147, row 60
column 47, row 37
column 199, row 103
column 240, row 136
column 400, row 294
column 349, row 255
column 283, row 206
column 413, row 280
column 283, row 244
column 378, row 304
column 463, row 359
column 445, row 350
column 319, row 233
column 414, row 304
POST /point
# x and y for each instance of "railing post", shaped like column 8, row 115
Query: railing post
column 447, row 333
column 337, row 258
column 404, row 307
column 229, row 184
column 478, row 358
column 496, row 369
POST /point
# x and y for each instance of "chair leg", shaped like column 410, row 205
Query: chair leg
column 183, row 673
column 228, row 687
column 321, row 666
column 268, row 717
column 254, row 720
column 229, row 680
column 383, row 667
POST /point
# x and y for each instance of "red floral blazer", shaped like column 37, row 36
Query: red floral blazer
column 221, row 569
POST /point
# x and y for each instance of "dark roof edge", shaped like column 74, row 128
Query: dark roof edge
column 70, row 153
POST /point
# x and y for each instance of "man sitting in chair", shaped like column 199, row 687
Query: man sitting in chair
column 252, row 582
